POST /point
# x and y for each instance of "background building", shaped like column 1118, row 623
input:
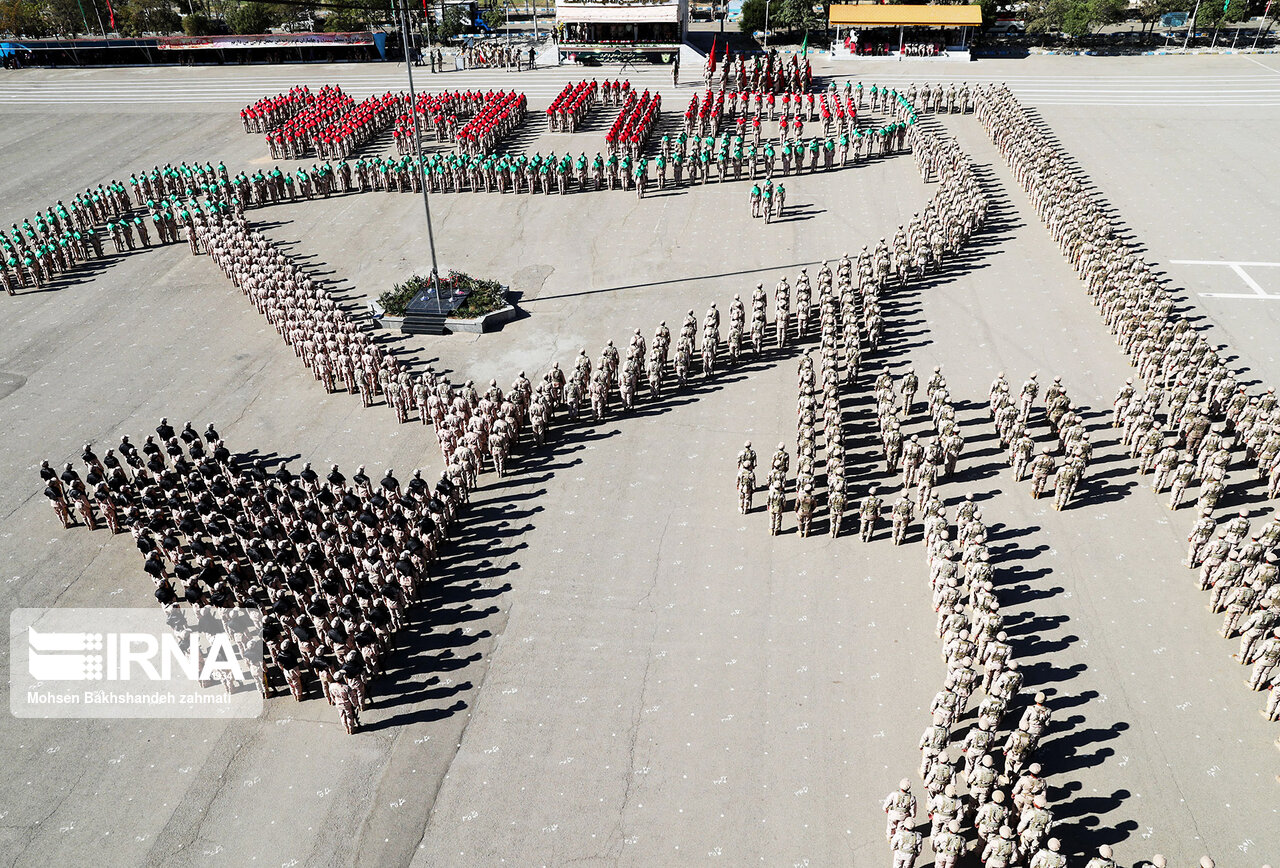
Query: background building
column 652, row 28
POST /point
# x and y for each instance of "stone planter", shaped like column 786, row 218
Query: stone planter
column 422, row 318
column 488, row 322
column 382, row 320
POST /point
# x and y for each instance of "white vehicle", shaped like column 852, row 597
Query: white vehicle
column 1008, row 26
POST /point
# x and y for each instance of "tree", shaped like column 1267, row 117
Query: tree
column 1214, row 14
column 292, row 16
column 344, row 20
column 1149, row 11
column 1108, row 11
column 752, row 16
column 1073, row 17
column 495, row 18
column 989, row 11
column 65, row 17
column 252, row 17
column 451, row 24
column 197, row 24
column 23, row 18
column 136, row 17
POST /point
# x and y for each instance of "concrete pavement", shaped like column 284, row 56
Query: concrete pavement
column 629, row 672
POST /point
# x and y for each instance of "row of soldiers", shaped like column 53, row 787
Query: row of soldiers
column 1191, row 398
column 701, row 160
column 807, row 421
column 746, row 113
column 922, row 464
column 61, row 238
column 1175, row 361
column 340, row 354
column 1241, row 571
column 334, row 566
column 1004, row 801
column 1207, row 456
column 849, row 316
column 733, row 156
column 939, row 98
column 765, row 73
column 1014, row 428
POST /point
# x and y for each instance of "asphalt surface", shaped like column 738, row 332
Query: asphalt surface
column 626, row 670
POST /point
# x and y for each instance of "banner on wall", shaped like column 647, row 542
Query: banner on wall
column 269, row 40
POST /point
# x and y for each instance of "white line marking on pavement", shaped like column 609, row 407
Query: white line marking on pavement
column 1253, row 284
column 1263, row 65
column 1238, row 268
column 1227, row 262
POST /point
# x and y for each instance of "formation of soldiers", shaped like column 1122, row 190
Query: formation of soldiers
column 1238, row 568
column 729, row 157
column 61, row 238
column 336, row 566
column 1016, row 431
column 333, row 565
column 977, row 778
column 1176, row 364
column 850, row 321
column 330, row 124
column 302, row 121
column 807, row 421
column 471, row 426
column 305, row 116
column 271, row 112
column 939, row 98
column 438, row 116
column 572, row 105
column 336, row 348
column 922, row 464
column 739, row 121
column 634, row 124
column 1195, row 421
column 496, row 55
column 500, row 114
column 767, row 72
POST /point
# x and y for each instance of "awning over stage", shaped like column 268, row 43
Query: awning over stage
column 875, row 15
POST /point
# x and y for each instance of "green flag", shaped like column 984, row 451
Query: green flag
column 804, row 48
column 1225, row 4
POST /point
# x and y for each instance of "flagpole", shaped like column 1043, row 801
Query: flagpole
column 1259, row 33
column 421, row 155
column 1191, row 26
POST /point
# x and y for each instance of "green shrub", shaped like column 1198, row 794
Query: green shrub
column 484, row 296
column 396, row 300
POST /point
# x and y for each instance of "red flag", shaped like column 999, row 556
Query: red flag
column 112, row 13
column 712, row 64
